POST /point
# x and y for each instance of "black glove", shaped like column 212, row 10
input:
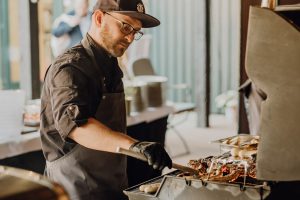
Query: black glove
column 155, row 154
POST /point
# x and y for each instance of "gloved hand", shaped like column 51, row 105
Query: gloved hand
column 155, row 154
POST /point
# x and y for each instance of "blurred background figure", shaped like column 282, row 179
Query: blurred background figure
column 70, row 27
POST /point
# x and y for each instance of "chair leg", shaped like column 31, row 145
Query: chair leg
column 185, row 145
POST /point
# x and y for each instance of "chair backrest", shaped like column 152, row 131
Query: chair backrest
column 142, row 66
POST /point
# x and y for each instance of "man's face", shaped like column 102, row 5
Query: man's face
column 113, row 39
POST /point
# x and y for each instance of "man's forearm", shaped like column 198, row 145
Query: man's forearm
column 96, row 135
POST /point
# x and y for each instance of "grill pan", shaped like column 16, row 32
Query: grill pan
column 179, row 188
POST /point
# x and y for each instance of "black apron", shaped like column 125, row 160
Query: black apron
column 89, row 174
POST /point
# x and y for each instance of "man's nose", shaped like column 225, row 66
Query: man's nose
column 130, row 37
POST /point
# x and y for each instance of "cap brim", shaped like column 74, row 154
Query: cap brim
column 147, row 20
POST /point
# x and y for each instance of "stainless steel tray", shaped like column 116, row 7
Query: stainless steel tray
column 177, row 188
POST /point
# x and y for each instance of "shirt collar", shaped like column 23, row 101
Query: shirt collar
column 97, row 49
column 107, row 62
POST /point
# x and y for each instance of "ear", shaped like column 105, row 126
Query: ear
column 98, row 16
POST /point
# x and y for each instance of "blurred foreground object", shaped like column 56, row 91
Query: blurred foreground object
column 19, row 184
column 272, row 63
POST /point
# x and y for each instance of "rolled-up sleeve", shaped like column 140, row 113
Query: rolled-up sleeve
column 69, row 99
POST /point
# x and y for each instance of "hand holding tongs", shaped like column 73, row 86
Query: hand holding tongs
column 143, row 158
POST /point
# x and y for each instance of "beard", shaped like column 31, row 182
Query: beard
column 116, row 46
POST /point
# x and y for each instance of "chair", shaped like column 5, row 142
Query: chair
column 143, row 66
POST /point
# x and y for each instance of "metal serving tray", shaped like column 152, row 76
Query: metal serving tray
column 178, row 188
column 227, row 147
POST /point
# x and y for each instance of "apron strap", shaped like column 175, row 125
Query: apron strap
column 86, row 44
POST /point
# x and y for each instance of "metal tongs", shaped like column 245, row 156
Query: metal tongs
column 143, row 158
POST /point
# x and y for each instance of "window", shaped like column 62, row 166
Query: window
column 9, row 45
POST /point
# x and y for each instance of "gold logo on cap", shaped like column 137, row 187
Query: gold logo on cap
column 140, row 7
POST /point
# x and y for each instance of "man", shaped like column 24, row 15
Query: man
column 69, row 28
column 83, row 118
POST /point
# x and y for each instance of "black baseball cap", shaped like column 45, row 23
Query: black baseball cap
column 132, row 8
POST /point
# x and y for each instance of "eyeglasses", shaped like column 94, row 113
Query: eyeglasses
column 127, row 28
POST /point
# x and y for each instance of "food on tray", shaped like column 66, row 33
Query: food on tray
column 239, row 167
column 236, row 165
column 254, row 141
column 240, row 140
column 242, row 153
column 235, row 152
column 149, row 188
